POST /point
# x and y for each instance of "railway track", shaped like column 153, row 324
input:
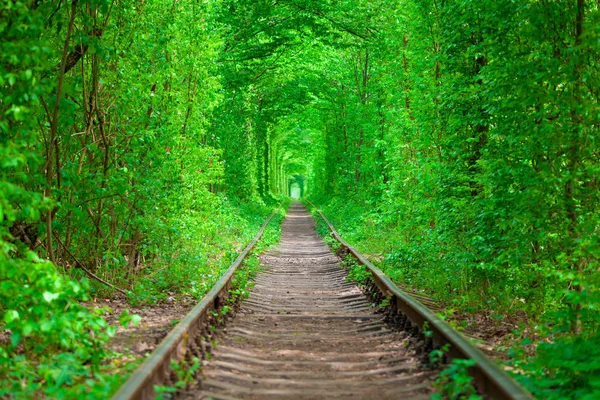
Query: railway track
column 306, row 333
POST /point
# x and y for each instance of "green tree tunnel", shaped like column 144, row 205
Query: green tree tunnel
column 457, row 143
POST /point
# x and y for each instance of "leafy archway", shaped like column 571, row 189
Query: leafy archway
column 296, row 181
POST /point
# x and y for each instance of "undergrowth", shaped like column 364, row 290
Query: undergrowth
column 57, row 347
column 545, row 356
column 189, row 258
column 241, row 285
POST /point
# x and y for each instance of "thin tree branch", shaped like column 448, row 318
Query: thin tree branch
column 80, row 265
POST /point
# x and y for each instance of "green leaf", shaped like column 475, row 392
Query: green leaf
column 46, row 325
column 15, row 338
column 49, row 296
column 135, row 319
column 10, row 316
column 127, row 318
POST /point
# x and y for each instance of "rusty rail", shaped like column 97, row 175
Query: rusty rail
column 155, row 370
column 490, row 379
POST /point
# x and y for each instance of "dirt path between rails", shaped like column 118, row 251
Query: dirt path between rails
column 306, row 333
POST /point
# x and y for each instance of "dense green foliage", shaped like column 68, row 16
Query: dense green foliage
column 113, row 164
column 457, row 142
column 466, row 135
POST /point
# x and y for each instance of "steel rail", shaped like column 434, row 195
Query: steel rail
column 155, row 370
column 490, row 379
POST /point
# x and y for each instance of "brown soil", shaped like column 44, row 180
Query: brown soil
column 157, row 320
column 493, row 336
